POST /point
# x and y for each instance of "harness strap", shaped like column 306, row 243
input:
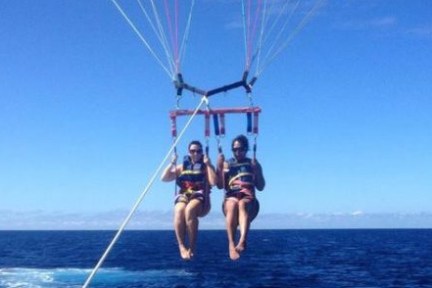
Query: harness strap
column 249, row 123
column 239, row 175
column 207, row 124
column 222, row 124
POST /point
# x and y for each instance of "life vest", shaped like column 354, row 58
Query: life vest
column 192, row 178
column 240, row 177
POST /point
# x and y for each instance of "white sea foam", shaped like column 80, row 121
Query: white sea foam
column 25, row 277
column 75, row 277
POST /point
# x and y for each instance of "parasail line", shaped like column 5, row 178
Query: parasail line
column 300, row 26
column 278, row 36
column 261, row 36
column 141, row 197
column 252, row 32
column 186, row 33
column 245, row 35
column 171, row 75
column 172, row 34
column 162, row 32
column 159, row 34
column 270, row 57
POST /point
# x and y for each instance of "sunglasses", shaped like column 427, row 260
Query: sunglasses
column 197, row 151
column 238, row 149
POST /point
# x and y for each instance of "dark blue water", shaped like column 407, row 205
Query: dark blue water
column 275, row 258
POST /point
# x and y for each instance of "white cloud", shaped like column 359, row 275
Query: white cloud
column 356, row 219
column 357, row 213
column 424, row 31
column 381, row 23
column 150, row 220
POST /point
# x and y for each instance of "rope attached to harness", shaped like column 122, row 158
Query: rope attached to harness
column 141, row 197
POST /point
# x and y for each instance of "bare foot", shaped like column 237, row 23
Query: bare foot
column 184, row 253
column 241, row 246
column 191, row 253
column 234, row 255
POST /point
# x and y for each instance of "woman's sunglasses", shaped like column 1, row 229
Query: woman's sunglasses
column 238, row 149
column 195, row 151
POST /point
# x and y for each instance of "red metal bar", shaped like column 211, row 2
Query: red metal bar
column 183, row 112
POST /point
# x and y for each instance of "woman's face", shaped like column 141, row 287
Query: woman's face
column 195, row 152
column 238, row 150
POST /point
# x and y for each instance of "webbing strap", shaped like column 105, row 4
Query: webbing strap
column 216, row 124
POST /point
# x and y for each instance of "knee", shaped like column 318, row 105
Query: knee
column 243, row 205
column 230, row 207
column 246, row 207
column 231, row 204
column 179, row 209
column 191, row 213
column 179, row 218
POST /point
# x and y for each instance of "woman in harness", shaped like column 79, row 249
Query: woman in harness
column 194, row 176
column 239, row 176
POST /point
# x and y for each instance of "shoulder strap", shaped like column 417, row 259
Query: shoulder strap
column 186, row 162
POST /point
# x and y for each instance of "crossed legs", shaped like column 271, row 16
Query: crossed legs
column 238, row 213
column 186, row 223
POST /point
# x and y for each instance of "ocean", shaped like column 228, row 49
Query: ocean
column 274, row 258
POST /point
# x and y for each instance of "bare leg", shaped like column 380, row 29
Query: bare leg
column 180, row 229
column 231, row 219
column 193, row 209
column 245, row 205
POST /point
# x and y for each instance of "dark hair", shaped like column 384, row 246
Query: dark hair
column 195, row 142
column 243, row 140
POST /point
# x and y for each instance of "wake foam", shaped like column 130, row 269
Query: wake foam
column 75, row 277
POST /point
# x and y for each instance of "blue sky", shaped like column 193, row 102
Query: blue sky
column 345, row 134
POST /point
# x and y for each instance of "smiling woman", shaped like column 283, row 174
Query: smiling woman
column 239, row 176
column 195, row 177
column 349, row 127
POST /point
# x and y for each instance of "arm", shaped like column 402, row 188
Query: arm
column 259, row 177
column 171, row 171
column 220, row 171
column 210, row 171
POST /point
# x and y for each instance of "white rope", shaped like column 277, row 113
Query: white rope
column 264, row 20
column 186, row 34
column 276, row 40
column 163, row 34
column 159, row 34
column 170, row 74
column 141, row 197
column 297, row 29
column 245, row 35
column 287, row 8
